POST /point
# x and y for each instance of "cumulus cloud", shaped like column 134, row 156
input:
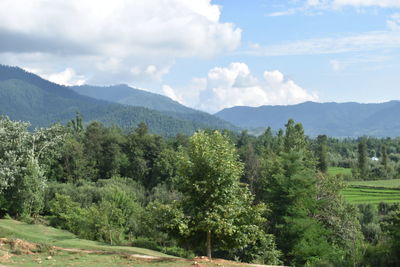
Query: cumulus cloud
column 67, row 77
column 120, row 39
column 235, row 85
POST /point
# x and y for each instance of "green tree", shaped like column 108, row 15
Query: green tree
column 384, row 154
column 322, row 150
column 24, row 161
column 216, row 206
column 362, row 159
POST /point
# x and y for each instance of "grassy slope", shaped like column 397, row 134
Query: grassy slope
column 373, row 192
column 113, row 255
column 51, row 236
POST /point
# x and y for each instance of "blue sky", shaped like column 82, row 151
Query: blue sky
column 212, row 54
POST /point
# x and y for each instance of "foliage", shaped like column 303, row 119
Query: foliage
column 24, row 158
column 265, row 200
column 214, row 202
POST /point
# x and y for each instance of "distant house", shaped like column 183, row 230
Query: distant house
column 375, row 159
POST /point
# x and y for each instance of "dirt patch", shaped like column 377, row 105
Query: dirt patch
column 19, row 246
column 5, row 257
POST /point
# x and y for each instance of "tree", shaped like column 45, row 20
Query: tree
column 322, row 153
column 24, row 161
column 215, row 204
column 288, row 185
column 384, row 160
column 362, row 159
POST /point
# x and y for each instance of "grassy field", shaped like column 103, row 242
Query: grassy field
column 29, row 245
column 339, row 170
column 373, row 192
column 393, row 183
column 51, row 236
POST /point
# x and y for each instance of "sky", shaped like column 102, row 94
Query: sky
column 212, row 54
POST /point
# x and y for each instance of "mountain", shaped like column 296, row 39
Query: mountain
column 123, row 94
column 126, row 95
column 334, row 119
column 25, row 96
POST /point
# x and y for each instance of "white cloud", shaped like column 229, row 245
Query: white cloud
column 359, row 42
column 393, row 22
column 169, row 91
column 235, row 85
column 359, row 62
column 367, row 3
column 288, row 12
column 316, row 6
column 313, row 2
column 335, row 65
column 113, row 37
column 67, row 77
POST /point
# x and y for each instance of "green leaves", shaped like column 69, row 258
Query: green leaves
column 23, row 158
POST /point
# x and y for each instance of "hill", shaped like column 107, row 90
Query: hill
column 23, row 244
column 334, row 119
column 123, row 94
column 25, row 96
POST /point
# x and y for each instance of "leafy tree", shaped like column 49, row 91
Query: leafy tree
column 362, row 159
column 142, row 150
column 322, row 156
column 23, row 164
column 251, row 165
column 215, row 205
column 385, row 158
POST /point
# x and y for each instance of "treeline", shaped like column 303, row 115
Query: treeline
column 263, row 199
column 369, row 158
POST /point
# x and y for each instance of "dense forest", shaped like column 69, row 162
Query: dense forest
column 266, row 199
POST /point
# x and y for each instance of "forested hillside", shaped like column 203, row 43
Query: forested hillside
column 334, row 119
column 25, row 96
column 126, row 95
column 267, row 199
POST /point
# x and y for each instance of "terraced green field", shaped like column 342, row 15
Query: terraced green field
column 393, row 183
column 373, row 192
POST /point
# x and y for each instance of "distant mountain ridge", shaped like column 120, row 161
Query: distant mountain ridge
column 123, row 94
column 334, row 119
column 28, row 97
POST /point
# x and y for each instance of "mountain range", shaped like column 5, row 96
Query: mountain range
column 27, row 97
column 125, row 95
column 334, row 119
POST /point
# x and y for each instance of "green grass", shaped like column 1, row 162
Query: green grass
column 112, row 256
column 51, row 236
column 393, row 183
column 339, row 170
column 373, row 192
column 364, row 195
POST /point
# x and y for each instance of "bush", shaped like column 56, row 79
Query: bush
column 179, row 252
column 144, row 242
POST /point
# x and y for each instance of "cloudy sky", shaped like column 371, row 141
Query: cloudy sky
column 212, row 54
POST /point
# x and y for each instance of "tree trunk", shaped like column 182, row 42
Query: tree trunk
column 209, row 244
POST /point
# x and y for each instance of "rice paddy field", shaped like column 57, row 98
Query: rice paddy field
column 373, row 192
